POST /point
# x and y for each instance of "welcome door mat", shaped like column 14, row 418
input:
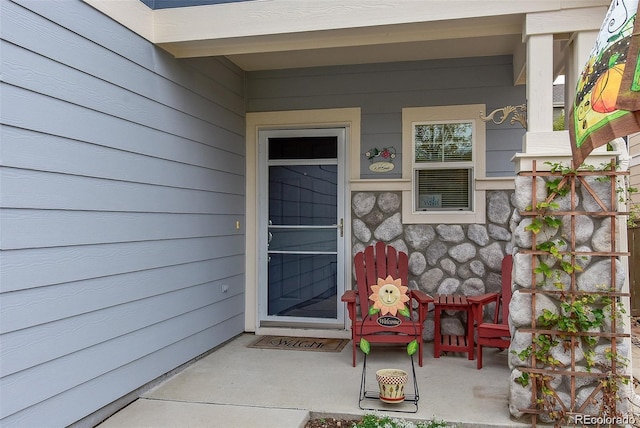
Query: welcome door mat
column 299, row 343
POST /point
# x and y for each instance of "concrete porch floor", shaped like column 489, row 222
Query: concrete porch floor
column 237, row 386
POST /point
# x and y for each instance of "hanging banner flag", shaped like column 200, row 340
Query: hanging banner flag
column 607, row 101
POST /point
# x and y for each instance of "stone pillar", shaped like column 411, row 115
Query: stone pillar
column 591, row 234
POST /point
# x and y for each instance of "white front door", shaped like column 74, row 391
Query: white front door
column 301, row 233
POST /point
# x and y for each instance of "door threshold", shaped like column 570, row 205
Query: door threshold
column 303, row 332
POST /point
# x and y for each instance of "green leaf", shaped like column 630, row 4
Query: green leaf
column 546, row 246
column 405, row 312
column 365, row 346
column 553, row 222
column 523, row 380
column 544, row 269
column 373, row 311
column 412, row 347
column 535, row 226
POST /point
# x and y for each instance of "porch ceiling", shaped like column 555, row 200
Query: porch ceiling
column 388, row 52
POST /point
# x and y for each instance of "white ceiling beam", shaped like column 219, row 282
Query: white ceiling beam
column 286, row 17
column 368, row 36
column 564, row 21
column 261, row 18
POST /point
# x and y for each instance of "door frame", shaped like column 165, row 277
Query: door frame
column 348, row 118
column 263, row 203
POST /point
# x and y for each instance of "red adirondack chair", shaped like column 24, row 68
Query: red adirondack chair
column 495, row 334
column 375, row 262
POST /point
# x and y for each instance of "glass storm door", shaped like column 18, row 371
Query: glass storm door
column 301, row 195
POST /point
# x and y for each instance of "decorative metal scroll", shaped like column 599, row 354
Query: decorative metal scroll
column 519, row 115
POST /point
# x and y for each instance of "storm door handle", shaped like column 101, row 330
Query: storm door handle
column 341, row 227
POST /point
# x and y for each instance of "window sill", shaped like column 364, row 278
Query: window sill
column 444, row 217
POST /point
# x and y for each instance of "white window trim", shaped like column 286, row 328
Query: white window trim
column 469, row 112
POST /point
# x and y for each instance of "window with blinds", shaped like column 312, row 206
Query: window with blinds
column 443, row 189
column 443, row 165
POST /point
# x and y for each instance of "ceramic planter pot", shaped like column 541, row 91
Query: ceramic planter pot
column 391, row 383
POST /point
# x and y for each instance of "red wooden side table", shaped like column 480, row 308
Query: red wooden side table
column 453, row 302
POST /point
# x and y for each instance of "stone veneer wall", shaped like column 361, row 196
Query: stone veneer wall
column 443, row 258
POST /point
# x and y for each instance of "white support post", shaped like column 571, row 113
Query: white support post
column 540, row 137
column 540, row 83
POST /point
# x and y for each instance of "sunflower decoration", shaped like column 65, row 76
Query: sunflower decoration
column 389, row 297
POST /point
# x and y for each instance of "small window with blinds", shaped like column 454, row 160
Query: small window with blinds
column 443, row 165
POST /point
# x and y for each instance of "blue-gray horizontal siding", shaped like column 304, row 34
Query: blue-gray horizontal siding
column 383, row 90
column 122, row 179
